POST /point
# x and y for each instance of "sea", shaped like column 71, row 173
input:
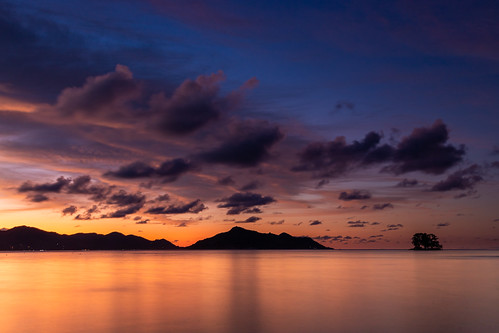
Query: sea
column 250, row 291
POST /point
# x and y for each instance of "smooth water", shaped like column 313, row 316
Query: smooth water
column 249, row 291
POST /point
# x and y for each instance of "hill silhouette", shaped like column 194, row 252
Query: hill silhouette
column 239, row 238
column 28, row 238
column 25, row 238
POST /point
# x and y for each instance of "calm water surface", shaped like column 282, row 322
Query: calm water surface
column 249, row 291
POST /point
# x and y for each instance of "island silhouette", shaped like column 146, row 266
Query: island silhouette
column 425, row 242
column 24, row 238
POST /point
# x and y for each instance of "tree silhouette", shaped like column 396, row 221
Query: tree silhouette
column 424, row 241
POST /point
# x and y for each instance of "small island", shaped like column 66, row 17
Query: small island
column 425, row 242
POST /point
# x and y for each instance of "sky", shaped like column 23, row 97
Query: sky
column 356, row 123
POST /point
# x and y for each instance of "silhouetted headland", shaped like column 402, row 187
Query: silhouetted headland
column 28, row 238
column 242, row 239
column 25, row 238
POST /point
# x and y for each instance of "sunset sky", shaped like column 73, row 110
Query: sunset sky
column 357, row 123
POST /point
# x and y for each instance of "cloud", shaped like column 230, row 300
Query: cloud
column 247, row 146
column 194, row 104
column 83, row 185
column 392, row 227
column 441, row 225
column 382, row 206
column 101, row 96
column 244, row 202
column 169, row 170
column 87, row 215
column 408, row 183
column 460, row 180
column 321, row 183
column 133, row 170
column 78, row 185
column 334, row 158
column 70, row 210
column 122, row 198
column 162, row 198
column 276, row 222
column 253, row 185
column 357, row 224
column 426, row 150
column 54, row 187
column 142, row 221
column 355, row 195
column 315, row 222
column 37, row 197
column 192, row 207
column 251, row 219
column 226, row 181
column 131, row 209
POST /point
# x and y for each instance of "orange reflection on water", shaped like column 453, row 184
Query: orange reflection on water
column 249, row 291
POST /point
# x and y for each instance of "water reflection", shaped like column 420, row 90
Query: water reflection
column 249, row 291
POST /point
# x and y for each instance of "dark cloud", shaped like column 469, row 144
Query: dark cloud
column 334, row 158
column 391, row 227
column 253, row 185
column 347, row 105
column 276, row 222
column 79, row 185
column 441, row 225
column 172, row 169
column 248, row 145
column 192, row 207
column 54, row 187
column 142, row 221
column 101, row 96
column 495, row 150
column 408, row 183
column 251, row 219
column 315, row 222
column 460, row 180
column 376, row 236
column 244, row 202
column 254, row 210
column 321, row 183
column 70, row 210
column 162, row 198
column 382, row 206
column 330, row 239
column 226, row 181
column 355, row 195
column 168, row 171
column 83, row 185
column 194, row 104
column 37, row 197
column 357, row 224
column 122, row 198
column 375, row 223
column 426, row 150
column 134, row 170
column 87, row 215
column 131, row 209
